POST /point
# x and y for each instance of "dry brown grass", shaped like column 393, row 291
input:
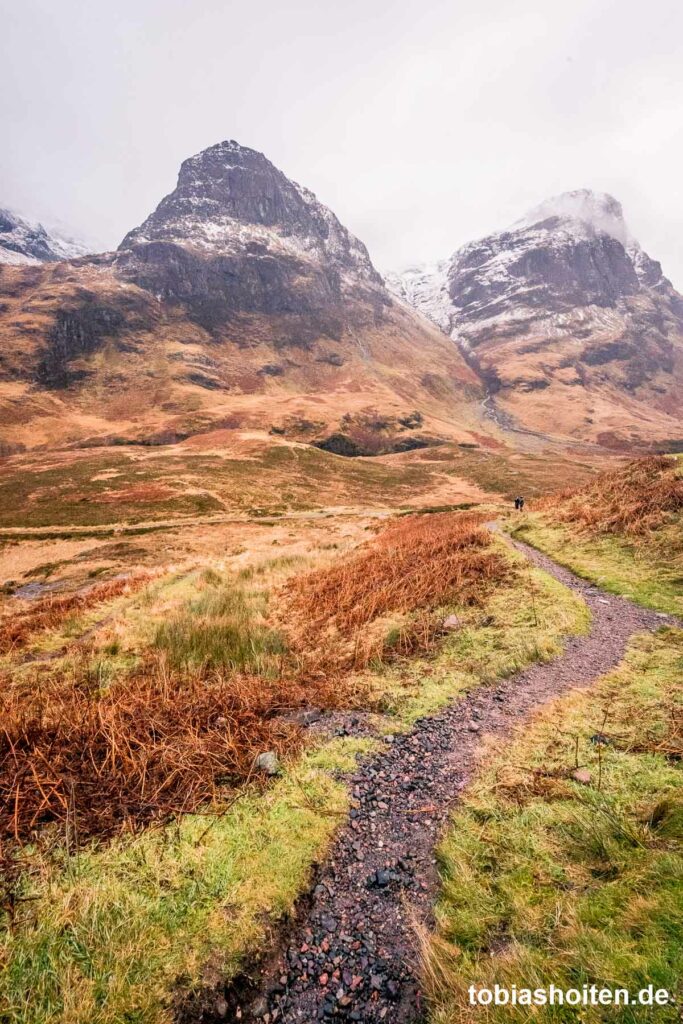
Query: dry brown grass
column 633, row 501
column 95, row 756
column 417, row 562
column 152, row 744
column 382, row 601
column 51, row 611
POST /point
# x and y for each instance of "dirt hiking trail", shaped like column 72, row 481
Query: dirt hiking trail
column 351, row 953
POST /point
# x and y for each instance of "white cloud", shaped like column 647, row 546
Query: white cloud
column 422, row 124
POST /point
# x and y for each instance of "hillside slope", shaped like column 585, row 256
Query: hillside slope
column 240, row 303
column 569, row 321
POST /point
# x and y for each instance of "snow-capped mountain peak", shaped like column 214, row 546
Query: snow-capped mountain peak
column 571, row 250
column 583, row 208
column 237, row 235
column 26, row 242
column 229, row 196
column 564, row 299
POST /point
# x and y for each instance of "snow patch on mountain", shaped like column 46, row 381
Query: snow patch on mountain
column 425, row 287
column 25, row 242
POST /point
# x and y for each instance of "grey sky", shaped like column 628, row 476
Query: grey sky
column 422, row 123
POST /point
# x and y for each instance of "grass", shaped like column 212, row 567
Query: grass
column 623, row 531
column 129, row 485
column 614, row 563
column 222, row 628
column 110, row 935
column 548, row 881
column 53, row 611
column 400, row 578
column 636, row 500
column 115, row 929
column 75, row 494
column 522, row 621
column 413, row 563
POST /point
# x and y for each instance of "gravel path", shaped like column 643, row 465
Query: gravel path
column 351, row 954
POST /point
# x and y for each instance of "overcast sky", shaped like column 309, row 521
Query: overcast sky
column 422, row 123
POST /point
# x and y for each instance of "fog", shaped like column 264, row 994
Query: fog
column 423, row 125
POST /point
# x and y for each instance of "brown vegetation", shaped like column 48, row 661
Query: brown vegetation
column 151, row 744
column 634, row 500
column 416, row 564
column 53, row 610
column 183, row 727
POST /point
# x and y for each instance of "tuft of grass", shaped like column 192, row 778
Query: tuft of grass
column 52, row 611
column 545, row 880
column 222, row 628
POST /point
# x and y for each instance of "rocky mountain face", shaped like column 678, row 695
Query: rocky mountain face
column 237, row 236
column 564, row 315
column 241, row 303
column 24, row 243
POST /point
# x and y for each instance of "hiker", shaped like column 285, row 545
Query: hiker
column 517, row 506
column 521, row 504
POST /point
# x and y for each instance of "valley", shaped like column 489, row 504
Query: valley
column 299, row 716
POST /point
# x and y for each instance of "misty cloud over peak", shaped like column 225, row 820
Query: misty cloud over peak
column 597, row 210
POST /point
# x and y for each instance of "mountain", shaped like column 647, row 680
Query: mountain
column 271, row 246
column 240, row 304
column 237, row 236
column 22, row 242
column 568, row 321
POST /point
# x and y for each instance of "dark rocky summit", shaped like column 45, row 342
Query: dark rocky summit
column 237, row 236
column 572, row 251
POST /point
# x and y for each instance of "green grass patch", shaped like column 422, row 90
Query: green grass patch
column 223, row 627
column 546, row 880
column 638, row 571
column 108, row 936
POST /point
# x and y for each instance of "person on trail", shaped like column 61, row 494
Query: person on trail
column 517, row 505
column 521, row 504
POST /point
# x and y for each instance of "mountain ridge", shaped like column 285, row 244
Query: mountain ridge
column 240, row 300
column 24, row 242
column 565, row 298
